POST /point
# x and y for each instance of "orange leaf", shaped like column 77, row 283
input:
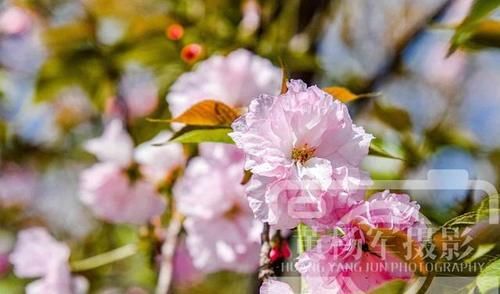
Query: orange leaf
column 397, row 242
column 340, row 93
column 208, row 113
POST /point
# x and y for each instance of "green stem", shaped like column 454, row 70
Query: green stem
column 104, row 258
column 300, row 240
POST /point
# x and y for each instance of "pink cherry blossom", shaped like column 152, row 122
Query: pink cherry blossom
column 301, row 146
column 211, row 186
column 115, row 145
column 305, row 129
column 17, row 186
column 14, row 20
column 157, row 161
column 234, row 79
column 140, row 93
column 38, row 254
column 221, row 231
column 348, row 262
column 58, row 281
column 185, row 273
column 391, row 211
column 114, row 197
column 223, row 243
column 35, row 252
column 283, row 203
column 272, row 286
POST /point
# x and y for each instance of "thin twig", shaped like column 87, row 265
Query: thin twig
column 167, row 254
column 104, row 258
column 392, row 64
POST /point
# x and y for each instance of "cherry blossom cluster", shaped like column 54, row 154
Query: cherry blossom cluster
column 123, row 186
column 222, row 233
column 305, row 153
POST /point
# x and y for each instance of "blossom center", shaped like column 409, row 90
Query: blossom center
column 303, row 154
column 233, row 212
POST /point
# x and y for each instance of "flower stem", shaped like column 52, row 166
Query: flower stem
column 104, row 258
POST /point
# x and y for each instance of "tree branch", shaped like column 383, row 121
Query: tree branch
column 392, row 64
column 265, row 269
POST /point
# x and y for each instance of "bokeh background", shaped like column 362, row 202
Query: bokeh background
column 64, row 63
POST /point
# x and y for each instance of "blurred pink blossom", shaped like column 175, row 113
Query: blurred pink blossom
column 349, row 263
column 14, row 20
column 58, row 281
column 123, row 187
column 17, row 186
column 221, row 231
column 115, row 145
column 234, row 79
column 4, row 264
column 158, row 161
column 185, row 273
column 35, row 252
column 38, row 254
column 140, row 93
column 113, row 196
column 271, row 286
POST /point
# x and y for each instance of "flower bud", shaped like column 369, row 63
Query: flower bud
column 191, row 52
column 274, row 255
column 175, row 32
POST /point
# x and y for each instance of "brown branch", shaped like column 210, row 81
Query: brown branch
column 265, row 269
column 393, row 63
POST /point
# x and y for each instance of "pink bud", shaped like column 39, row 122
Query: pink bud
column 191, row 52
column 285, row 250
column 274, row 255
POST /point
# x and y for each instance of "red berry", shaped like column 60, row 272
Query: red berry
column 274, row 255
column 285, row 250
column 175, row 32
column 191, row 52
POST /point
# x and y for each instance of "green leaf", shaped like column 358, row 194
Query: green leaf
column 488, row 206
column 485, row 34
column 464, row 32
column 468, row 218
column 376, row 149
column 481, row 251
column 479, row 10
column 395, row 117
column 392, row 287
column 489, row 278
column 199, row 134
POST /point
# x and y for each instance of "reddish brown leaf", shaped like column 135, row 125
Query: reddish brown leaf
column 208, row 113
